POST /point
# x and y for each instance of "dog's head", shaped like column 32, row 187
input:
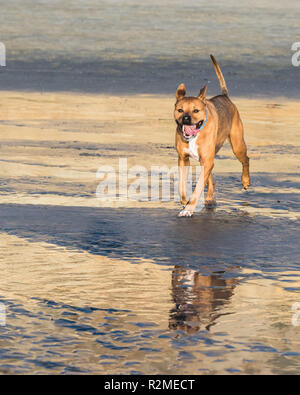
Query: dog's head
column 190, row 112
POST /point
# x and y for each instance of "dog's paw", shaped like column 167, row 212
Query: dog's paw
column 246, row 182
column 210, row 203
column 185, row 213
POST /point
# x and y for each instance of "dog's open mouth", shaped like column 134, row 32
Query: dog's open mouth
column 189, row 131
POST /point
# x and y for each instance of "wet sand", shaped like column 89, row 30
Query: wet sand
column 52, row 140
column 127, row 287
column 134, row 46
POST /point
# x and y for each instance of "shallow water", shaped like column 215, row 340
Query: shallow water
column 129, row 287
column 141, row 291
column 130, row 46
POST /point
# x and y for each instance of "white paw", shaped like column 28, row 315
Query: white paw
column 185, row 213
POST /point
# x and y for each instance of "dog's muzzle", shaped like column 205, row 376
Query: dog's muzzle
column 189, row 131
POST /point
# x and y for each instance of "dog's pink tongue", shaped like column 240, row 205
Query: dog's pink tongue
column 190, row 129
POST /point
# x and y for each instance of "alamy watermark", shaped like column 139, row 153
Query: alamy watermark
column 296, row 315
column 137, row 183
column 2, row 314
column 296, row 56
column 2, row 55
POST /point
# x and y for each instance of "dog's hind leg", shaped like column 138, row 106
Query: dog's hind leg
column 239, row 148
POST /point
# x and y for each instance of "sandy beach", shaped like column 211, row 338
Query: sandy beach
column 63, row 138
column 124, row 286
column 99, row 282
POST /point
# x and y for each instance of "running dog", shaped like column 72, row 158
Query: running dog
column 202, row 127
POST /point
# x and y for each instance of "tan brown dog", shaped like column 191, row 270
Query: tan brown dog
column 202, row 127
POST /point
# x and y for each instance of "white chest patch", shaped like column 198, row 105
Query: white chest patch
column 193, row 149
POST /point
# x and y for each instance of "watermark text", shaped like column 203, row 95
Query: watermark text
column 2, row 314
column 137, row 183
column 296, row 55
column 2, row 55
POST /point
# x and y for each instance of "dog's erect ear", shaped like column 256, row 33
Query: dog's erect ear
column 181, row 91
column 202, row 94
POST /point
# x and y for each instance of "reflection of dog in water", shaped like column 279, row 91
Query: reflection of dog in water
column 198, row 299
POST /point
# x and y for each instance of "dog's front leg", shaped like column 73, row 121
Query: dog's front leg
column 184, row 165
column 190, row 207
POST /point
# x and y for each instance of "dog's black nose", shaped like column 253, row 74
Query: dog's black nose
column 186, row 119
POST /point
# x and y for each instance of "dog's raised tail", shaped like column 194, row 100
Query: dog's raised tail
column 220, row 76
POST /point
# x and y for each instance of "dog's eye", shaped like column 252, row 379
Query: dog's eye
column 196, row 110
column 180, row 110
